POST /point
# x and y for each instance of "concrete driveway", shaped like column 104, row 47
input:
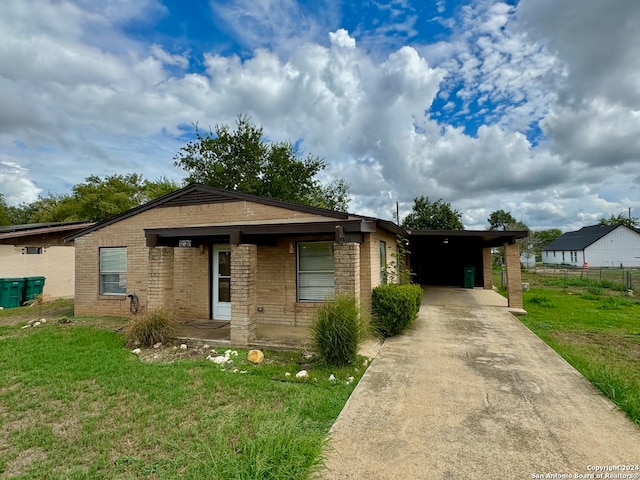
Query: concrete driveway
column 470, row 392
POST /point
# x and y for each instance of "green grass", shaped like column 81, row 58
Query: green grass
column 596, row 330
column 75, row 404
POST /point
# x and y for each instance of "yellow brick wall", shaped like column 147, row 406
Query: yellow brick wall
column 276, row 289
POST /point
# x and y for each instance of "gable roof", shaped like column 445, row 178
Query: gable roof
column 197, row 194
column 580, row 239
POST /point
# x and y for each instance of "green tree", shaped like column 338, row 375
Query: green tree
column 243, row 160
column 620, row 219
column 501, row 220
column 4, row 212
column 95, row 199
column 427, row 215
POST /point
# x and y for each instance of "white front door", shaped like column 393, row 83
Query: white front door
column 221, row 282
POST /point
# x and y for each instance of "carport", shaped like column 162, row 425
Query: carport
column 440, row 257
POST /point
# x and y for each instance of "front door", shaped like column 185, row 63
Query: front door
column 221, row 282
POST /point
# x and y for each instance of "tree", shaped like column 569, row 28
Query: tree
column 244, row 161
column 4, row 212
column 620, row 219
column 427, row 215
column 501, row 220
column 94, row 200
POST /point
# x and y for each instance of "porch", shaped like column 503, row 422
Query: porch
column 218, row 334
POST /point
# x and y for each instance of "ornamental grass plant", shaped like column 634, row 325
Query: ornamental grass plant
column 150, row 328
column 338, row 331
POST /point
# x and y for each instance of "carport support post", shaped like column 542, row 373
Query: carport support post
column 514, row 277
column 244, row 264
column 487, row 269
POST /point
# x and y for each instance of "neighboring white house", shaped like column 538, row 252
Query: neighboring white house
column 595, row 246
column 38, row 250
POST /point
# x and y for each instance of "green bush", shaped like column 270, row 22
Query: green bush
column 337, row 331
column 394, row 308
column 151, row 327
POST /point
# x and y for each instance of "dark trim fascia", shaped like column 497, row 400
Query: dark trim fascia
column 233, row 196
column 237, row 232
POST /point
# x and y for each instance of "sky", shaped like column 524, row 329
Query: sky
column 529, row 106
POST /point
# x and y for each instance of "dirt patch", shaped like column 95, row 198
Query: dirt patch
column 20, row 464
column 172, row 352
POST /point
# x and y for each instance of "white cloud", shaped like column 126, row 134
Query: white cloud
column 72, row 103
column 15, row 185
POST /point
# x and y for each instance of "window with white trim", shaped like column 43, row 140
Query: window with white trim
column 316, row 271
column 113, row 271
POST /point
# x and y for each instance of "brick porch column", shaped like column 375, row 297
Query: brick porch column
column 244, row 264
column 514, row 277
column 487, row 269
column 160, row 284
column 347, row 269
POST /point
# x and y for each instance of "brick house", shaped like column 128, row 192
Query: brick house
column 39, row 250
column 223, row 255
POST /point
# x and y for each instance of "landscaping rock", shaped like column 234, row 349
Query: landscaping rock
column 26, row 326
column 219, row 360
column 37, row 324
column 332, row 377
column 183, row 346
column 302, row 374
column 136, row 351
column 255, row 356
column 157, row 345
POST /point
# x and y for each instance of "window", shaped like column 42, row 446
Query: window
column 315, row 271
column 383, row 263
column 113, row 271
column 33, row 250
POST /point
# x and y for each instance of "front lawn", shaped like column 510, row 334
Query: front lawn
column 596, row 330
column 75, row 403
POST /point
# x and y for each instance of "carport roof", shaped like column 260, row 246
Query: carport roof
column 489, row 238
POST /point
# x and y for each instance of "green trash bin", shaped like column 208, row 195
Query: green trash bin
column 11, row 292
column 469, row 277
column 32, row 286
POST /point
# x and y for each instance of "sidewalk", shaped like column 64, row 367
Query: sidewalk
column 470, row 393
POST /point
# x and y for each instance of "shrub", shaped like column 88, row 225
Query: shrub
column 395, row 307
column 151, row 327
column 337, row 330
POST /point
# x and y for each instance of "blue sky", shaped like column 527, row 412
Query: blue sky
column 530, row 106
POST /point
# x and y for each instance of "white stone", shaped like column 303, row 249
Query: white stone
column 332, row 377
column 219, row 360
column 26, row 326
column 43, row 320
column 349, row 380
column 206, row 347
column 302, row 374
column 243, row 371
column 37, row 324
column 157, row 345
column 287, row 374
column 183, row 346
column 136, row 351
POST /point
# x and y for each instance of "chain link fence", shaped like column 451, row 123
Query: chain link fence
column 623, row 279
